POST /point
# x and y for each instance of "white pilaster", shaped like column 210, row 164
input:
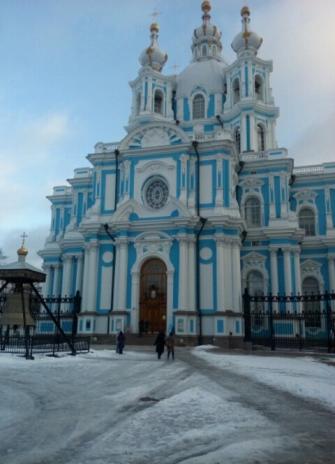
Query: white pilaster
column 66, row 280
column 236, row 274
column 228, row 275
column 79, row 276
column 85, row 279
column 274, row 271
column 46, row 287
column 92, row 276
column 331, row 270
column 135, row 298
column 287, row 275
column 183, row 271
column 298, row 289
column 56, row 283
column 191, row 274
column 220, row 274
column 122, row 263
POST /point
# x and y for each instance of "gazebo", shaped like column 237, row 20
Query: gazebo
column 16, row 305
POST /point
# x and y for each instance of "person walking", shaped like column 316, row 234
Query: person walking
column 170, row 342
column 160, row 343
column 120, row 341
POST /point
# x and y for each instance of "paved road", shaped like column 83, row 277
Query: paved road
column 104, row 411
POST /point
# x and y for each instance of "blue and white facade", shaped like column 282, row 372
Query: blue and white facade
column 200, row 185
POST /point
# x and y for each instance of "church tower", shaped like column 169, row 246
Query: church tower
column 195, row 204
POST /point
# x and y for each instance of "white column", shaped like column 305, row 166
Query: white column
column 85, row 279
column 56, row 283
column 253, row 133
column 331, row 271
column 92, row 276
column 274, row 271
column 274, row 274
column 243, row 132
column 287, row 275
column 66, row 281
column 272, row 197
column 191, row 274
column 46, row 287
column 135, row 301
column 228, row 275
column 220, row 274
column 236, row 275
column 329, row 218
column 183, row 271
column 122, row 263
column 79, row 276
column 297, row 272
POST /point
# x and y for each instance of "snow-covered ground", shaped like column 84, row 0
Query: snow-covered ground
column 103, row 408
column 303, row 376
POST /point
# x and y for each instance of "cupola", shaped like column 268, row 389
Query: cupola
column 206, row 38
column 153, row 56
column 246, row 40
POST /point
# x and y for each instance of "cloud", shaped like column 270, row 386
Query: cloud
column 316, row 144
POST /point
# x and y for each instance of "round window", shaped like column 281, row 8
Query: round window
column 156, row 193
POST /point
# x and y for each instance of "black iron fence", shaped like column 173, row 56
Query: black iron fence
column 64, row 309
column 299, row 322
column 53, row 345
column 54, row 329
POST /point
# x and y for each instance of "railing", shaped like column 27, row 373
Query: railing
column 308, row 170
column 40, row 344
column 298, row 322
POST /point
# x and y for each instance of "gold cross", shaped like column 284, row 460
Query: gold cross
column 23, row 236
column 154, row 14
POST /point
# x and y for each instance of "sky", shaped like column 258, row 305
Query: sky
column 65, row 68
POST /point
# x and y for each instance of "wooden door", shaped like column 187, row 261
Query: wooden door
column 153, row 296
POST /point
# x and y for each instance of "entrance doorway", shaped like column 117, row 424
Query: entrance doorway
column 153, row 296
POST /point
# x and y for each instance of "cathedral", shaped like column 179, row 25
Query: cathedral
column 198, row 202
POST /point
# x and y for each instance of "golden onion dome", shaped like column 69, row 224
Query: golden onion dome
column 206, row 6
column 245, row 11
column 154, row 27
column 22, row 251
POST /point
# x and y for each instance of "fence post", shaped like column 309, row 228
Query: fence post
column 272, row 337
column 329, row 321
column 247, row 316
column 75, row 312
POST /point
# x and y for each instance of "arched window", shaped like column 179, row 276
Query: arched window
column 311, row 291
column 236, row 91
column 238, row 139
column 255, row 284
column 204, row 50
column 261, row 137
column 198, row 106
column 214, row 50
column 158, row 103
column 259, row 88
column 307, row 221
column 253, row 212
column 138, row 103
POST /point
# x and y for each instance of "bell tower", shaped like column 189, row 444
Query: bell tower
column 249, row 105
column 152, row 91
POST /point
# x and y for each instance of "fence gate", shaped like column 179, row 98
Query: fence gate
column 297, row 322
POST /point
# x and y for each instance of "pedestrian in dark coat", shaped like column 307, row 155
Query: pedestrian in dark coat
column 160, row 343
column 170, row 342
column 120, row 341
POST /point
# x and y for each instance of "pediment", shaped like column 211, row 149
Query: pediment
column 154, row 135
column 132, row 210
